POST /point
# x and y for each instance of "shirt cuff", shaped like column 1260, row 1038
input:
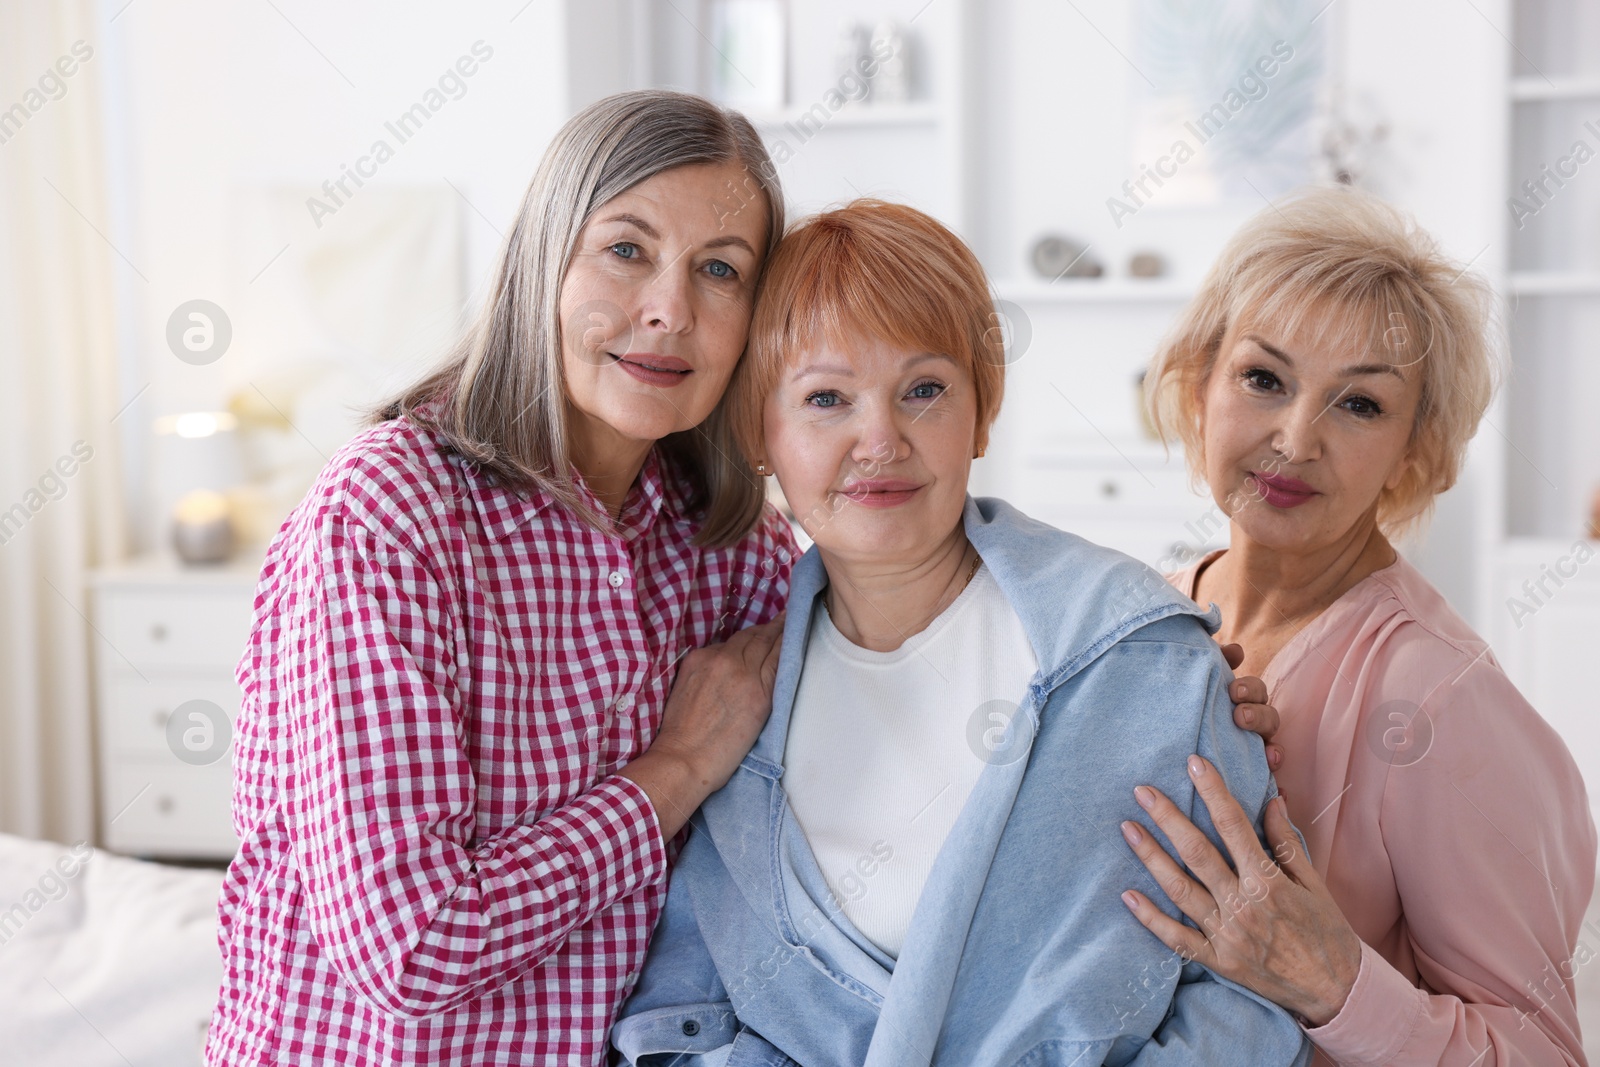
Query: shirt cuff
column 615, row 825
column 1377, row 1018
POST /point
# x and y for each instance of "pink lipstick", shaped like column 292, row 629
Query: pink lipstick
column 652, row 369
column 881, row 492
column 1281, row 491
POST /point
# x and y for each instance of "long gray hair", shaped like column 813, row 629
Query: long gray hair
column 499, row 399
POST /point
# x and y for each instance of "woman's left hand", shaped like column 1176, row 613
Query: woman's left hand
column 1273, row 927
column 1250, row 708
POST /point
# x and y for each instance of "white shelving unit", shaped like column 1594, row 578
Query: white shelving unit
column 1071, row 447
column 1552, row 462
column 1539, row 87
column 1161, row 291
column 1555, row 283
column 1543, row 605
column 852, row 115
column 828, row 148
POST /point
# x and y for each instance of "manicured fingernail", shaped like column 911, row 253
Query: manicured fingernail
column 1131, row 832
column 1145, row 796
column 1131, row 901
column 1196, row 768
column 1249, row 717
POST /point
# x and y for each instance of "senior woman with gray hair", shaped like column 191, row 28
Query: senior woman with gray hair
column 1324, row 383
column 474, row 717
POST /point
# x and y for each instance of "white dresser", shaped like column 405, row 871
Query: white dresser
column 167, row 639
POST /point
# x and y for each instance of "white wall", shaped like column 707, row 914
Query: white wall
column 1438, row 70
column 221, row 100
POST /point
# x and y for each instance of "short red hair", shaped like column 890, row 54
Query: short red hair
column 869, row 269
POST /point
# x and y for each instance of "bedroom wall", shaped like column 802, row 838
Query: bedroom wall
column 221, row 103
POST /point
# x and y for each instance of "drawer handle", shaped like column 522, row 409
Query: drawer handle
column 165, row 804
column 158, row 632
column 161, row 715
column 1108, row 489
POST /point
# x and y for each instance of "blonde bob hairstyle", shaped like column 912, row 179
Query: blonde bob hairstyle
column 500, row 398
column 877, row 270
column 1367, row 280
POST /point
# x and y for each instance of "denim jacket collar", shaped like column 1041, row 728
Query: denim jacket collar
column 1028, row 560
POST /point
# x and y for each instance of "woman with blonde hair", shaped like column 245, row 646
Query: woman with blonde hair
column 461, row 752
column 1325, row 383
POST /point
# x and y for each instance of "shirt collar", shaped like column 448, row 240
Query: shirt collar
column 502, row 509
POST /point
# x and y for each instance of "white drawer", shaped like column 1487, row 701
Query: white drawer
column 172, row 628
column 134, row 714
column 1159, row 544
column 1108, row 492
column 165, row 807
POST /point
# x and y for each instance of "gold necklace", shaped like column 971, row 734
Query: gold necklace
column 976, row 559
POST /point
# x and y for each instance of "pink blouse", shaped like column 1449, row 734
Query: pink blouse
column 1451, row 825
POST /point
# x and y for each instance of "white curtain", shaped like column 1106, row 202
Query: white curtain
column 60, row 507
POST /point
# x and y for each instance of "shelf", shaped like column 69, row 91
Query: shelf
column 1535, row 89
column 852, row 115
column 1095, row 290
column 1525, row 553
column 1554, row 283
column 1078, row 451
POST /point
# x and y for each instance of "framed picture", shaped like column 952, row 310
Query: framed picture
column 1226, row 98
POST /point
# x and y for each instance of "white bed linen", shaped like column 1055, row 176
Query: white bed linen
column 103, row 959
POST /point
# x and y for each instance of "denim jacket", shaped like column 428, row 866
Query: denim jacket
column 1020, row 950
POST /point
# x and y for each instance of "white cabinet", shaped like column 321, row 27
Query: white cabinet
column 1069, row 447
column 1543, row 605
column 169, row 637
column 1135, row 499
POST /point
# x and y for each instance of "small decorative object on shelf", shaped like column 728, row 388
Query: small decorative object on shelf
column 853, row 55
column 1055, row 257
column 892, row 82
column 1146, row 265
column 202, row 527
column 1354, row 139
column 748, row 60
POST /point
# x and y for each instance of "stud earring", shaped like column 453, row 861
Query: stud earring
column 761, row 468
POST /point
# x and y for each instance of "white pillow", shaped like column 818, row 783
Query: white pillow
column 104, row 959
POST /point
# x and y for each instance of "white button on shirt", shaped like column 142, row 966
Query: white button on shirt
column 616, row 579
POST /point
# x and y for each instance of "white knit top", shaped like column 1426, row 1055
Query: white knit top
column 884, row 747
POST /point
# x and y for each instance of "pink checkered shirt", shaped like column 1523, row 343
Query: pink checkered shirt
column 439, row 863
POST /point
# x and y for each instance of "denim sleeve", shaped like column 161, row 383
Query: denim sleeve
column 1210, row 1018
column 679, row 1013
